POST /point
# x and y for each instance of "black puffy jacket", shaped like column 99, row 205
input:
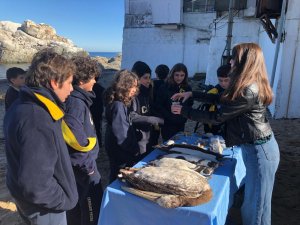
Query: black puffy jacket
column 245, row 117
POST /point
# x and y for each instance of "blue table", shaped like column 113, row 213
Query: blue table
column 122, row 208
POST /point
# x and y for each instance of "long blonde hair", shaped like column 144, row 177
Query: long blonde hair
column 249, row 68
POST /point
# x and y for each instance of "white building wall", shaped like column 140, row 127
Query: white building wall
column 244, row 30
column 153, row 46
column 197, row 35
column 146, row 39
column 172, row 12
column 269, row 53
column 287, row 102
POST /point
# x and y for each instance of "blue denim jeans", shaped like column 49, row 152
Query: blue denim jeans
column 261, row 163
column 38, row 218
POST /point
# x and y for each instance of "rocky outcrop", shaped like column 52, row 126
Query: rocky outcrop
column 19, row 42
column 113, row 63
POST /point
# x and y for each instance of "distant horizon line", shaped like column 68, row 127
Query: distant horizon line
column 106, row 51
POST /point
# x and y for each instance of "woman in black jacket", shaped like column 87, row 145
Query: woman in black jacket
column 243, row 107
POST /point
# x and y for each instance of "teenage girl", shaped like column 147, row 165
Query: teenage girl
column 177, row 82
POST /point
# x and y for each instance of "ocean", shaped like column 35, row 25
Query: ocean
column 104, row 54
column 4, row 67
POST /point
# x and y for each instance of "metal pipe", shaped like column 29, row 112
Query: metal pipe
column 280, row 28
column 229, row 29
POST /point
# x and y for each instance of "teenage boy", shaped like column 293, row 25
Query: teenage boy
column 97, row 109
column 16, row 78
column 83, row 143
column 39, row 172
column 223, row 83
column 142, row 108
column 162, row 72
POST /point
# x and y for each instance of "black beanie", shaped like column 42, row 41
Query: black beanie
column 140, row 68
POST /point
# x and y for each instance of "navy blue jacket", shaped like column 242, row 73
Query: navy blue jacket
column 97, row 109
column 79, row 119
column 11, row 95
column 120, row 138
column 39, row 171
column 156, row 86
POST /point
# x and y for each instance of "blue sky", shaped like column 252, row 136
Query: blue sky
column 95, row 25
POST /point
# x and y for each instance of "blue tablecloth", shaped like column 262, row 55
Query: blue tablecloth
column 122, row 208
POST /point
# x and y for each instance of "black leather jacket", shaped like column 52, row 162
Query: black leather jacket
column 245, row 117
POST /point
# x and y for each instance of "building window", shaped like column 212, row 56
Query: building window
column 198, row 5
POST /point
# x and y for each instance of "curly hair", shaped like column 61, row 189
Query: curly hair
column 120, row 88
column 86, row 69
column 48, row 65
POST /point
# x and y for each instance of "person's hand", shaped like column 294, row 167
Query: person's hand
column 184, row 96
column 176, row 109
